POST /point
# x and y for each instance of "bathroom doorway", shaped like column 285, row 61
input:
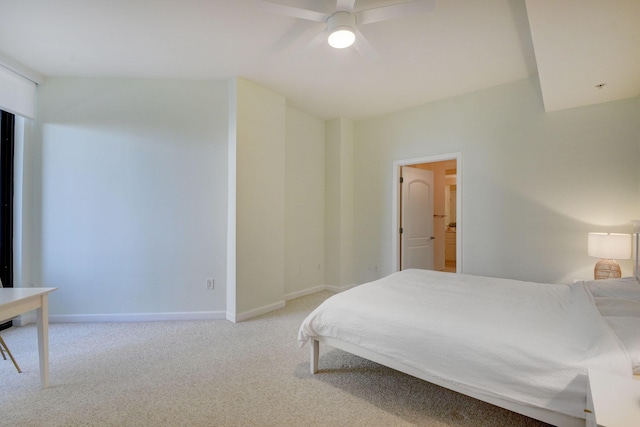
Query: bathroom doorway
column 446, row 220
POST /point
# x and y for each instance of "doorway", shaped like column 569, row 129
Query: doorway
column 446, row 219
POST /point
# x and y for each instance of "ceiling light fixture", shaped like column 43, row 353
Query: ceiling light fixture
column 342, row 31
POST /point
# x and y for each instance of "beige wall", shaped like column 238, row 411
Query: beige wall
column 139, row 191
column 155, row 186
column 125, row 186
column 534, row 183
column 279, row 202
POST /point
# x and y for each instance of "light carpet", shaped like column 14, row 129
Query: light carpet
column 215, row 373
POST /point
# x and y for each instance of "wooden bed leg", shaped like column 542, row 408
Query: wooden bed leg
column 315, row 353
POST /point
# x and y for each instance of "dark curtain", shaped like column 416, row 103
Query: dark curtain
column 6, row 201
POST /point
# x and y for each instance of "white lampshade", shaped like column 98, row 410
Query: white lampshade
column 636, row 226
column 609, row 245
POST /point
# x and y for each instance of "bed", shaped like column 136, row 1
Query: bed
column 523, row 346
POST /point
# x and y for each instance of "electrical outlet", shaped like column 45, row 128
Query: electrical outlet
column 210, row 284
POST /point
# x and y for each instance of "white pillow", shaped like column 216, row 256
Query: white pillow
column 626, row 287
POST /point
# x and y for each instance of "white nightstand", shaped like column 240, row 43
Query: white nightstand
column 613, row 401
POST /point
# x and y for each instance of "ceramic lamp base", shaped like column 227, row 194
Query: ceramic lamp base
column 607, row 269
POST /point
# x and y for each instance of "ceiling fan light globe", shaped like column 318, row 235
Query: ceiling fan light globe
column 341, row 37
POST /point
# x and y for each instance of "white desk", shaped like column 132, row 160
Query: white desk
column 15, row 301
column 614, row 401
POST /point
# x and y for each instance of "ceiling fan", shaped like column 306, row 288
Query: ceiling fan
column 341, row 29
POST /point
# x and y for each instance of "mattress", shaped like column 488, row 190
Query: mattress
column 530, row 343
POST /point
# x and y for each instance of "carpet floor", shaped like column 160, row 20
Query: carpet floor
column 215, row 373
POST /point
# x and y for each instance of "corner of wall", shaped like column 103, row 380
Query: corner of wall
column 258, row 232
column 231, row 201
column 339, row 183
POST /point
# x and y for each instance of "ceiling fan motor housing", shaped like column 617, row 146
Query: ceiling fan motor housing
column 338, row 24
column 341, row 19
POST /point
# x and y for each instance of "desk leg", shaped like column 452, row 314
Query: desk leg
column 42, row 315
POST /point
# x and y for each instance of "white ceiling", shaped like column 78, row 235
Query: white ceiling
column 462, row 46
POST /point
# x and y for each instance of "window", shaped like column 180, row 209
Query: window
column 7, row 127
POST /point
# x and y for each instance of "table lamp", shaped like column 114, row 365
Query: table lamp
column 608, row 247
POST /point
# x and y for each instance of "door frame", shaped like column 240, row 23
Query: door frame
column 396, row 204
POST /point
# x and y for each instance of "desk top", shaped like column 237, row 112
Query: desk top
column 9, row 295
column 616, row 400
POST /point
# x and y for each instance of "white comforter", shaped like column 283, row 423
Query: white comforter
column 531, row 343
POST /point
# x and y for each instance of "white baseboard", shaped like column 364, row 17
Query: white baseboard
column 293, row 295
column 239, row 317
column 125, row 317
column 304, row 292
column 338, row 289
column 315, row 289
column 26, row 319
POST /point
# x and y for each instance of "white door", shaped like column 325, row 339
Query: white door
column 416, row 219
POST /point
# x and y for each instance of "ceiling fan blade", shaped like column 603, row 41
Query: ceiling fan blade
column 295, row 12
column 363, row 47
column 313, row 43
column 394, row 11
column 345, row 5
column 297, row 30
